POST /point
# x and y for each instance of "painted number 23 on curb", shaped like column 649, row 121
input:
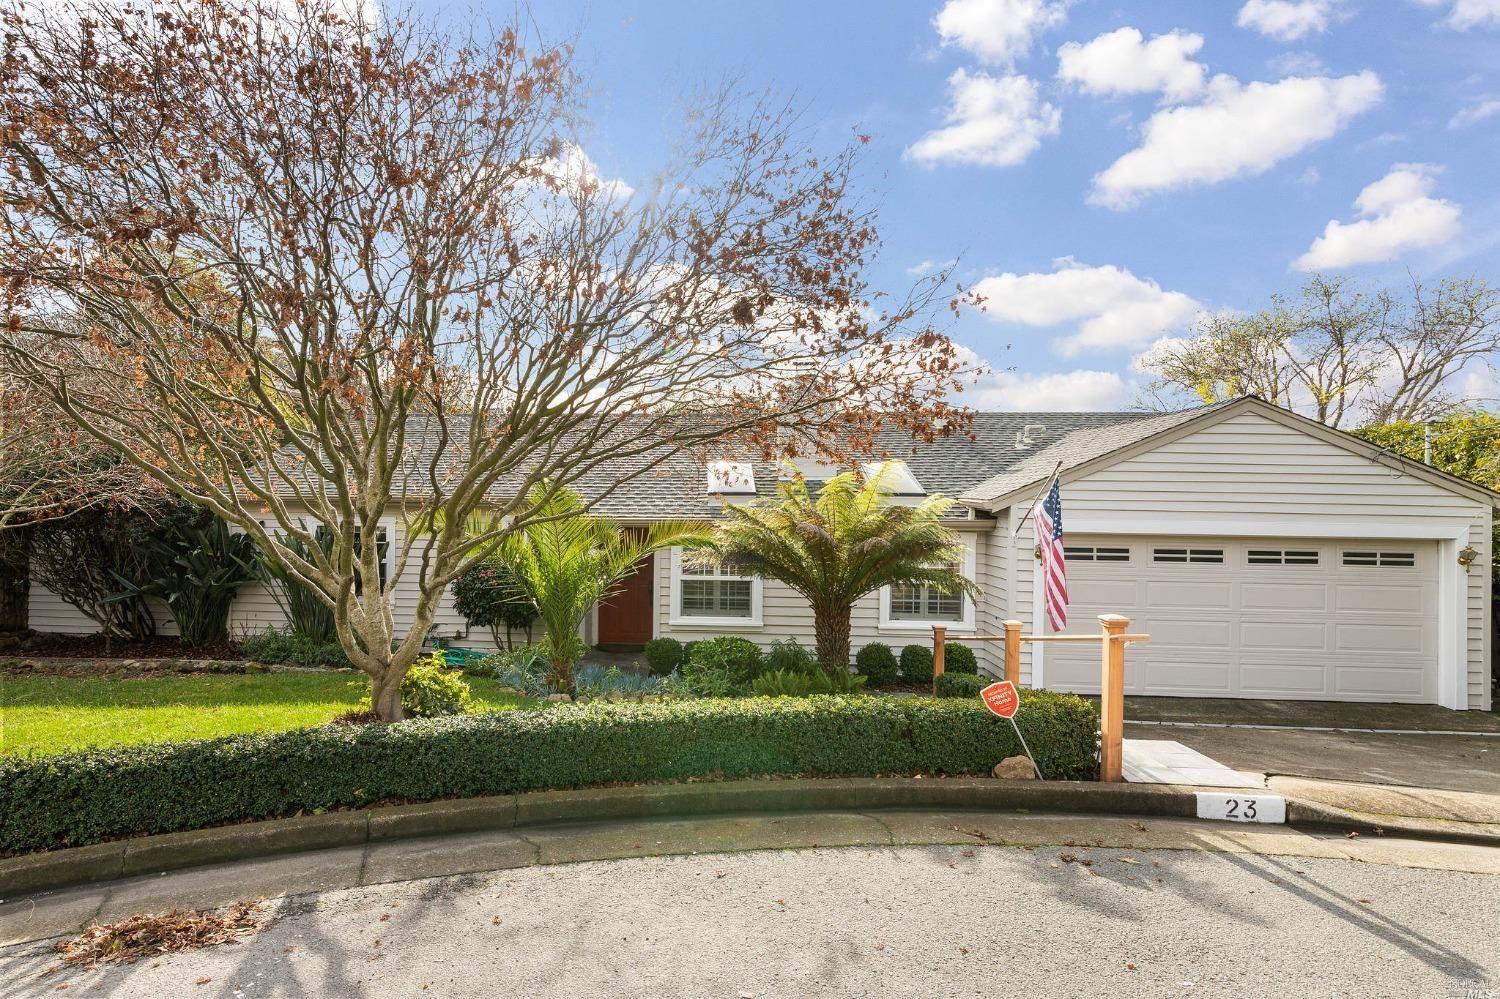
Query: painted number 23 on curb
column 1230, row 807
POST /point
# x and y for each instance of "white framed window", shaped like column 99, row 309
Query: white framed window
column 918, row 608
column 1095, row 553
column 1205, row 556
column 713, row 596
column 1379, row 559
column 1281, row 556
column 383, row 548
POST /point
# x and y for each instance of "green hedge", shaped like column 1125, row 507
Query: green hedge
column 961, row 685
column 78, row 798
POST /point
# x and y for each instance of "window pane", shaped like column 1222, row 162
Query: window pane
column 944, row 606
column 716, row 598
column 906, row 603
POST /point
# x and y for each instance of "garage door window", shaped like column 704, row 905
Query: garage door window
column 1093, row 553
column 1383, row 560
column 1281, row 556
column 1207, row 556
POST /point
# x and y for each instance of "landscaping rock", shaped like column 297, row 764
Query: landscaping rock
column 1015, row 768
column 559, row 698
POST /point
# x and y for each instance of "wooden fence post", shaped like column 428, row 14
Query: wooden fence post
column 1112, row 696
column 1013, row 652
column 937, row 655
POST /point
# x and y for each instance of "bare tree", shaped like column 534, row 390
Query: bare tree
column 1339, row 354
column 326, row 272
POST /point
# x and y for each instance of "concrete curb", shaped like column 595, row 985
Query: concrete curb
column 173, row 851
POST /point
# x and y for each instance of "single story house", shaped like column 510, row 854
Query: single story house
column 1268, row 556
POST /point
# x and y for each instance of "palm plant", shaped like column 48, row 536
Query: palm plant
column 568, row 561
column 834, row 548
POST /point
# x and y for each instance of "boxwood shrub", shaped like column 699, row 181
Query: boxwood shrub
column 664, row 655
column 877, row 662
column 916, row 664
column 85, row 797
column 959, row 659
column 961, row 685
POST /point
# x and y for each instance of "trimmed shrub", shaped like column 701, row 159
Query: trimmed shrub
column 287, row 649
column 961, row 685
column 959, row 659
column 877, row 663
column 79, row 798
column 916, row 664
column 664, row 655
column 430, row 690
column 783, row 683
column 788, row 657
column 722, row 666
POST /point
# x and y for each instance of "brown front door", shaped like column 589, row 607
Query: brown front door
column 625, row 618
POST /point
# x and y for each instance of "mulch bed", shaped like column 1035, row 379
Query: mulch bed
column 93, row 647
column 149, row 935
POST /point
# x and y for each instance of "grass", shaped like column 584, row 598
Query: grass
column 50, row 714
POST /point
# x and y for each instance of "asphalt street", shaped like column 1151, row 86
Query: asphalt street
column 975, row 920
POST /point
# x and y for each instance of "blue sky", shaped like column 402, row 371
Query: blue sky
column 1105, row 170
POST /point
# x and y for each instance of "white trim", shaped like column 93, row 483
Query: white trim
column 1453, row 624
column 674, row 596
column 1265, row 527
column 966, row 623
column 1038, row 608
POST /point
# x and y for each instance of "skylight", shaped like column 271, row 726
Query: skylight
column 731, row 478
column 896, row 476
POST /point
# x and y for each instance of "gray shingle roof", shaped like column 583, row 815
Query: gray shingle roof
column 1074, row 448
column 997, row 450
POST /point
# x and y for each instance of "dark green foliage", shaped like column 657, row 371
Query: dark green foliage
column 664, row 655
column 96, row 561
column 197, row 565
column 430, row 690
column 79, row 798
column 306, row 614
column 722, row 666
column 916, row 664
column 785, row 683
column 959, row 659
column 877, row 663
column 490, row 596
column 288, row 649
column 789, row 657
column 961, row 685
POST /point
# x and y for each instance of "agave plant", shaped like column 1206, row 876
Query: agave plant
column 849, row 540
column 568, row 561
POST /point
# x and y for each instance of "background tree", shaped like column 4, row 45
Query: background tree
column 343, row 274
column 1338, row 354
column 568, row 561
column 489, row 595
column 833, row 549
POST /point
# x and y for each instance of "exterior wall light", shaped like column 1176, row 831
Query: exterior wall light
column 1467, row 555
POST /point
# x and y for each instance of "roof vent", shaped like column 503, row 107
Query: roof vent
column 896, row 476
column 1023, row 436
column 731, row 478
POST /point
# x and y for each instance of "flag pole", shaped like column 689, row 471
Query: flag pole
column 1046, row 486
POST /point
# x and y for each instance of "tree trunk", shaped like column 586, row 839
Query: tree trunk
column 560, row 671
column 385, row 694
column 15, row 579
column 831, row 628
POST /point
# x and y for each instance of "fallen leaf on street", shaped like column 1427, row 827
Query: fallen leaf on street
column 135, row 937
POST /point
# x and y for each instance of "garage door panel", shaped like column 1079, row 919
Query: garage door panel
column 1273, row 679
column 1283, row 596
column 1290, row 636
column 1205, row 594
column 1357, row 598
column 1266, row 628
column 1383, row 639
column 1381, row 683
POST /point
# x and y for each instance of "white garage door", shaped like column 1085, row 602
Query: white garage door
column 1289, row 618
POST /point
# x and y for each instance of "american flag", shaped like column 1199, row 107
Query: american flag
column 1049, row 546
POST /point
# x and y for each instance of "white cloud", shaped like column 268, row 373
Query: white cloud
column 1063, row 391
column 1475, row 113
column 997, row 31
column 1238, row 130
column 1310, row 177
column 1123, row 62
column 1466, row 14
column 993, row 121
column 1396, row 213
column 927, row 267
column 1111, row 306
column 1298, row 62
column 1286, row 20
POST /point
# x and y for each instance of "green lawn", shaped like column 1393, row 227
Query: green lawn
column 51, row 714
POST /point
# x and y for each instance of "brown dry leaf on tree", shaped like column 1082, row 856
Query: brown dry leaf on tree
column 129, row 940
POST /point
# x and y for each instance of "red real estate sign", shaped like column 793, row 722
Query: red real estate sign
column 1001, row 697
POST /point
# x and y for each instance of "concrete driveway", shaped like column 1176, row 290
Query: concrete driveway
column 1407, row 745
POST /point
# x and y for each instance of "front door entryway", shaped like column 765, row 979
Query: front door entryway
column 625, row 618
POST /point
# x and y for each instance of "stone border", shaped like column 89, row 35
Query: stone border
column 173, row 851
column 110, row 667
